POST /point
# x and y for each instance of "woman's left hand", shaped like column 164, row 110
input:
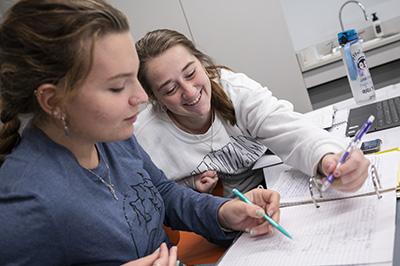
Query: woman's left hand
column 206, row 182
column 351, row 175
column 240, row 216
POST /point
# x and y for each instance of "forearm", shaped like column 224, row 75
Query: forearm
column 198, row 212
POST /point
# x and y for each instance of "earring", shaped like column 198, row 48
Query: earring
column 36, row 92
column 56, row 114
column 61, row 116
column 65, row 125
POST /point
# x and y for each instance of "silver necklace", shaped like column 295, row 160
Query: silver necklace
column 110, row 185
column 192, row 132
column 212, row 131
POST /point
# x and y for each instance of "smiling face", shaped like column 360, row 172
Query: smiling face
column 180, row 83
column 107, row 103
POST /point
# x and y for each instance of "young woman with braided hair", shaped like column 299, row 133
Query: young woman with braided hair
column 75, row 186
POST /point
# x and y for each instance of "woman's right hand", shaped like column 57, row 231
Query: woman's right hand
column 351, row 175
column 239, row 216
column 161, row 257
column 206, row 182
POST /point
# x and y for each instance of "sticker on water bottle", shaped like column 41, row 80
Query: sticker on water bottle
column 362, row 67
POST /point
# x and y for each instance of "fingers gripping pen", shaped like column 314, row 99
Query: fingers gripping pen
column 353, row 143
column 265, row 216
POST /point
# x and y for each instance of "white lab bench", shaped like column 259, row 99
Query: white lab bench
column 328, row 68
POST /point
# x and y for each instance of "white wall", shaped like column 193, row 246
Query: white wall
column 148, row 15
column 249, row 36
column 314, row 21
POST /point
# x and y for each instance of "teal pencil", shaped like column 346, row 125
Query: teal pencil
column 266, row 217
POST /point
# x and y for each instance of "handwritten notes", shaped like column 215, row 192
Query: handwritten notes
column 345, row 230
column 352, row 231
column 293, row 184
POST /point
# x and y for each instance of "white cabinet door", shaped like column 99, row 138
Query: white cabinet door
column 148, row 15
column 250, row 37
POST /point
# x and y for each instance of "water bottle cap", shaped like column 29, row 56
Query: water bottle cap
column 347, row 36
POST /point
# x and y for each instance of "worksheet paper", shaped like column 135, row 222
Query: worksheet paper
column 293, row 185
column 339, row 123
column 322, row 117
column 342, row 232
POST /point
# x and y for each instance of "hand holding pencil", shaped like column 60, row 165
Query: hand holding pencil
column 349, row 176
column 348, row 171
column 240, row 216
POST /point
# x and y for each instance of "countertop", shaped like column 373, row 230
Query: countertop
column 378, row 52
column 336, row 56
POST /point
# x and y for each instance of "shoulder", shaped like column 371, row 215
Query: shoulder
column 26, row 173
column 231, row 79
column 239, row 87
column 32, row 183
column 152, row 127
column 148, row 120
column 37, row 165
column 26, row 162
column 243, row 90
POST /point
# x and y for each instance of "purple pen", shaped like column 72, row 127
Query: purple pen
column 353, row 143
